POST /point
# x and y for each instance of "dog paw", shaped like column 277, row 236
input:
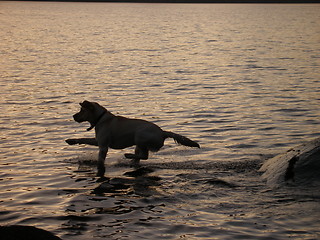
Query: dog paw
column 71, row 141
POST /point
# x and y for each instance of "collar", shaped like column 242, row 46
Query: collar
column 97, row 121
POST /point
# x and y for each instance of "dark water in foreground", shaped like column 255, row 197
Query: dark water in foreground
column 242, row 80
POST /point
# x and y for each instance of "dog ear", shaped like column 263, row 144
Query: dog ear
column 86, row 104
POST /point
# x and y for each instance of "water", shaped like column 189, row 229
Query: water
column 242, row 80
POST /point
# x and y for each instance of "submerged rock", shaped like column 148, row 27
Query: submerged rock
column 298, row 166
column 18, row 232
column 138, row 182
column 142, row 171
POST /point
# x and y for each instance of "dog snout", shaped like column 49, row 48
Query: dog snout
column 77, row 117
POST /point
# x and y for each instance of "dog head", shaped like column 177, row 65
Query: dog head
column 90, row 112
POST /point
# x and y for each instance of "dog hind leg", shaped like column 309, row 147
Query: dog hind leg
column 139, row 153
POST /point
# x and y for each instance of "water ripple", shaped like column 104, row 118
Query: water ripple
column 243, row 87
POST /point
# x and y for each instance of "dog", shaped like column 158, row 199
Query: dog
column 119, row 132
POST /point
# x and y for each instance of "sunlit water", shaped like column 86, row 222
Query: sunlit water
column 242, row 80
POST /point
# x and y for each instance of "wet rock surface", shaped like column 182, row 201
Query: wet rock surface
column 298, row 166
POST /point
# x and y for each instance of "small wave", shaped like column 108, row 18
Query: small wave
column 199, row 165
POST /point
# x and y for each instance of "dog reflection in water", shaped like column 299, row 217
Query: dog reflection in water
column 119, row 132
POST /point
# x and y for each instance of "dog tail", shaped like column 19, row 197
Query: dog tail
column 181, row 139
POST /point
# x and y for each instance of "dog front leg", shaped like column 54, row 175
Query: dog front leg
column 89, row 141
column 102, row 156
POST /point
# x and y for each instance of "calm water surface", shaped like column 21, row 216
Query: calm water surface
column 242, row 80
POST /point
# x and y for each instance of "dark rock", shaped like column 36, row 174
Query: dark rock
column 17, row 232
